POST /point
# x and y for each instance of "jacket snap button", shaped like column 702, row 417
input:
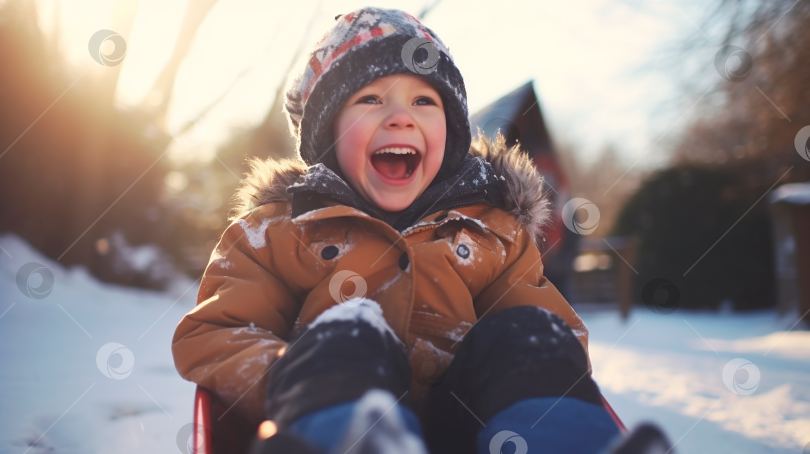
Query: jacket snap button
column 463, row 251
column 404, row 261
column 440, row 217
column 329, row 252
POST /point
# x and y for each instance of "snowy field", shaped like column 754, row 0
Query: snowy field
column 56, row 398
column 669, row 369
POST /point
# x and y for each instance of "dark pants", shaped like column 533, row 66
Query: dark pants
column 518, row 383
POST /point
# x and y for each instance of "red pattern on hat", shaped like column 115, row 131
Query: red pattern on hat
column 318, row 66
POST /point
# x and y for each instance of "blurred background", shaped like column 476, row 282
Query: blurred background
column 672, row 134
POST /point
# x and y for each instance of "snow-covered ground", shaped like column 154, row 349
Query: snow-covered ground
column 52, row 391
column 56, row 397
column 669, row 369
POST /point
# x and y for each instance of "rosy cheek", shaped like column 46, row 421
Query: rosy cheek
column 438, row 138
column 435, row 140
column 353, row 137
column 349, row 137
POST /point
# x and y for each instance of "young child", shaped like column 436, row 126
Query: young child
column 386, row 287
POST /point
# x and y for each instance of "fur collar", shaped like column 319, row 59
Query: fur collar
column 268, row 180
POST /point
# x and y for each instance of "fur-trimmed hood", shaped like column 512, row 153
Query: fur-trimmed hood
column 521, row 185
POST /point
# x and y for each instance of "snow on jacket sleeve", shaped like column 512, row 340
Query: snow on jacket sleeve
column 229, row 341
column 521, row 283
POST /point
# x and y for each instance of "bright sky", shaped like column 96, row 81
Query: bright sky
column 584, row 56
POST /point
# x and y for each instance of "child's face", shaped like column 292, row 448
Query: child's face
column 400, row 113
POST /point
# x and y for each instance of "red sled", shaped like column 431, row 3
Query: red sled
column 221, row 431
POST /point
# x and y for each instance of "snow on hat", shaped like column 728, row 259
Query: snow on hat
column 362, row 46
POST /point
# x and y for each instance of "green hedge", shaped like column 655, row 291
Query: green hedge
column 679, row 213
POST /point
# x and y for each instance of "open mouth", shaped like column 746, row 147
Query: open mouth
column 396, row 163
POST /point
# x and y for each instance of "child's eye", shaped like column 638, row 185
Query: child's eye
column 424, row 101
column 370, row 99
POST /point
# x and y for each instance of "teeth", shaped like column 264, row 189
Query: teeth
column 397, row 151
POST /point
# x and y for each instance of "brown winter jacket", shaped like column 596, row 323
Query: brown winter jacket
column 434, row 280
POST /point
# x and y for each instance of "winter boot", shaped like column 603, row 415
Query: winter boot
column 378, row 427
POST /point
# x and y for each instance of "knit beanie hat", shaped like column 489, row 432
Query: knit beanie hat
column 362, row 46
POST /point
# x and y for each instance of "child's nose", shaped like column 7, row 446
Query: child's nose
column 400, row 119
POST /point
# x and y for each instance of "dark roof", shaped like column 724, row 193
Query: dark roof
column 518, row 116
